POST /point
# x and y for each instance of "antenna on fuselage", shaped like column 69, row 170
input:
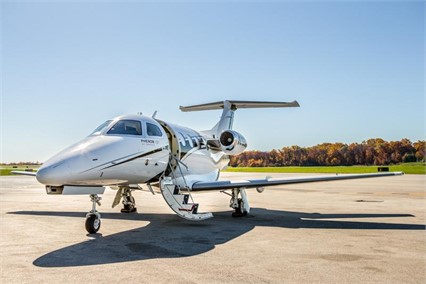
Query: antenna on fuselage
column 154, row 114
column 139, row 113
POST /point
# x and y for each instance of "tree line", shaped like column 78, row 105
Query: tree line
column 371, row 152
column 21, row 164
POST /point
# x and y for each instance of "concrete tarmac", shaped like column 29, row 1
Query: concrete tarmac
column 356, row 231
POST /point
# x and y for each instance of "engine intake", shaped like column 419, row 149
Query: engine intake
column 232, row 142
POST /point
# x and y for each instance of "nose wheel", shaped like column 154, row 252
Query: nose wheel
column 93, row 218
column 93, row 223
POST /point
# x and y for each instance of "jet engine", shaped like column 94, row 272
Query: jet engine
column 232, row 142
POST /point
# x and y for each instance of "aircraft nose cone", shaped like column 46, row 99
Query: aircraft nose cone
column 52, row 175
column 43, row 175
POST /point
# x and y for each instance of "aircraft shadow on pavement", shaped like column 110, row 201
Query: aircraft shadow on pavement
column 168, row 236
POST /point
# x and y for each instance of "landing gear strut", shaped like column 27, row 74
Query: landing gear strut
column 93, row 218
column 128, row 201
column 239, row 204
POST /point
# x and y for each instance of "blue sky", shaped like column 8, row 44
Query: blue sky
column 356, row 68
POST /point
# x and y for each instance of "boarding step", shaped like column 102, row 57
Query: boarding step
column 179, row 201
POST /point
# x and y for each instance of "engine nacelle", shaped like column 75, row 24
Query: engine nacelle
column 232, row 142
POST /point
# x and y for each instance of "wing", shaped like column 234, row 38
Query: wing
column 254, row 183
column 23, row 173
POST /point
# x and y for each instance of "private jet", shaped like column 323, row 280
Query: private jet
column 129, row 151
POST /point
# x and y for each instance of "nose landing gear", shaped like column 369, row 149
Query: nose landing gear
column 93, row 218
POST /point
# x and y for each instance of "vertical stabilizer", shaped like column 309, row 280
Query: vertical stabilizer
column 226, row 120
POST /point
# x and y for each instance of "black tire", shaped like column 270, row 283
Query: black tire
column 130, row 206
column 93, row 224
column 239, row 212
column 128, row 209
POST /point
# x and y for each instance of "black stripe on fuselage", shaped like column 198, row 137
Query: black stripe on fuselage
column 98, row 166
column 134, row 158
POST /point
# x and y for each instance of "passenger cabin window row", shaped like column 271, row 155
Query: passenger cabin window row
column 188, row 142
column 191, row 141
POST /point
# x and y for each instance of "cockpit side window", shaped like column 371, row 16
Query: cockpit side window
column 101, row 127
column 153, row 130
column 126, row 127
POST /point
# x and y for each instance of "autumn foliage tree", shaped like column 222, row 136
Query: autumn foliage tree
column 371, row 152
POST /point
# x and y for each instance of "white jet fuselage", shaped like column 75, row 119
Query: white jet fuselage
column 134, row 149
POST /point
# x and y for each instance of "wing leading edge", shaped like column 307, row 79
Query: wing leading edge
column 254, row 183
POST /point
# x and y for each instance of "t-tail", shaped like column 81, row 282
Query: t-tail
column 229, row 107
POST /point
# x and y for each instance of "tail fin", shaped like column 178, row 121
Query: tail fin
column 229, row 107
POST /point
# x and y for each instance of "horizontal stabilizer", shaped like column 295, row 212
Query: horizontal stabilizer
column 239, row 104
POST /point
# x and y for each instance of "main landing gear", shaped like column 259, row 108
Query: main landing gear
column 239, row 204
column 129, row 204
column 93, row 218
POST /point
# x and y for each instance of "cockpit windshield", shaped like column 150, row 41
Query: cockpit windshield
column 101, row 127
column 126, row 127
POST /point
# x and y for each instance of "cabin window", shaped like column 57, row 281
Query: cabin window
column 153, row 130
column 194, row 141
column 201, row 142
column 101, row 128
column 126, row 127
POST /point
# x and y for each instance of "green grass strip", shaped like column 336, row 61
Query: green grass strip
column 409, row 168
